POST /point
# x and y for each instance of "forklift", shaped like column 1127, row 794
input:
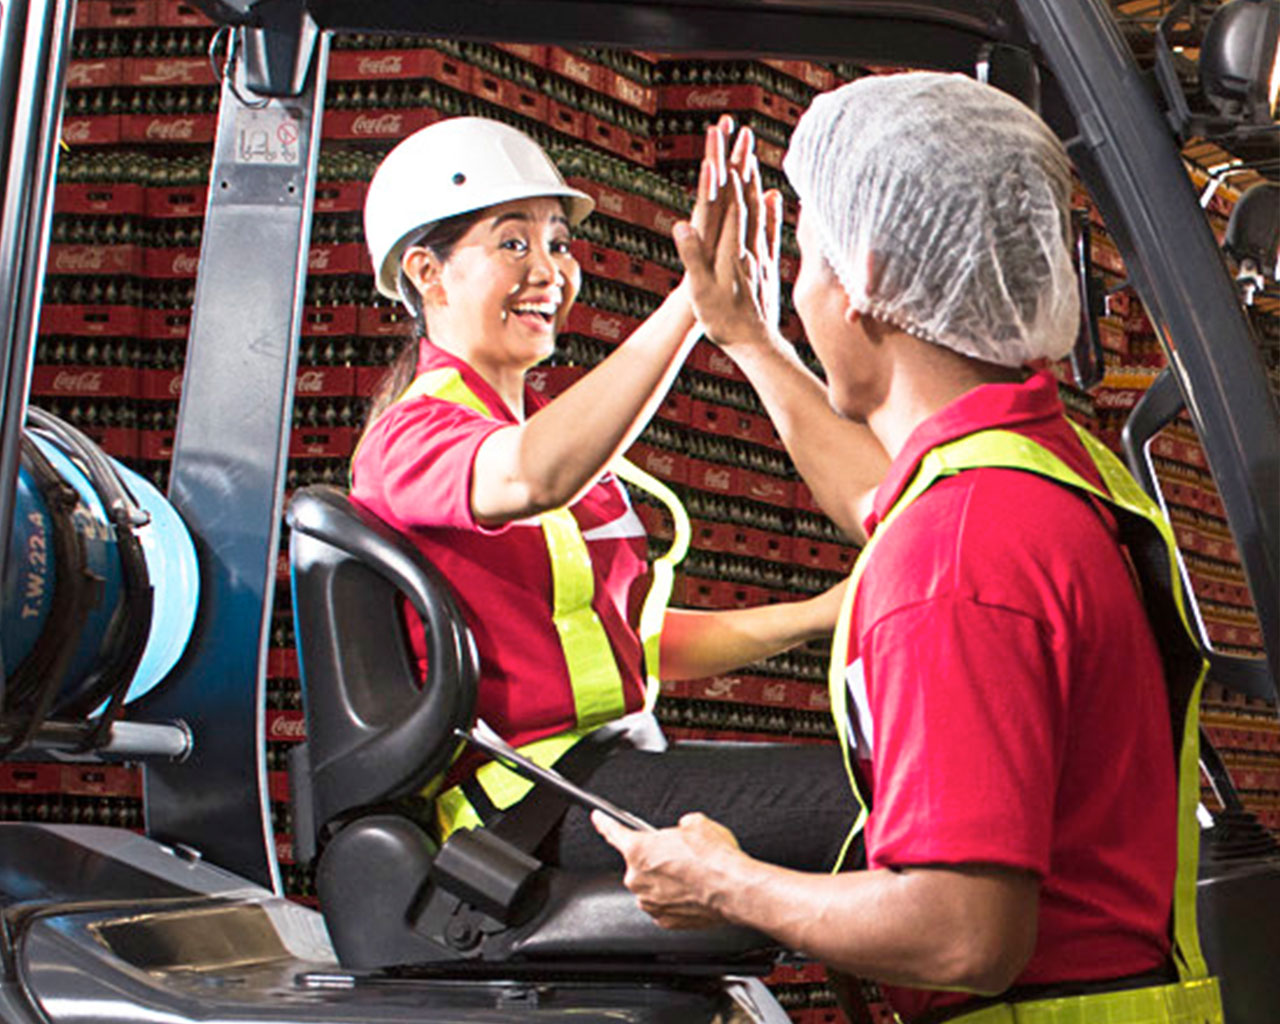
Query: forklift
column 187, row 921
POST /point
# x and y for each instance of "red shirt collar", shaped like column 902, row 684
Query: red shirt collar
column 985, row 407
column 432, row 357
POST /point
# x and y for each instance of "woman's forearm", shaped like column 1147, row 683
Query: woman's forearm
column 696, row 644
column 551, row 458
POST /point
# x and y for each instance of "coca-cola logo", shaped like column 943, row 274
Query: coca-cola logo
column 774, row 693
column 83, row 382
column 722, row 686
column 663, row 222
column 178, row 128
column 660, row 463
column 818, row 698
column 606, row 327
column 170, row 72
column 83, row 72
column 388, row 64
column 765, row 489
column 537, row 382
column 288, row 727
column 185, row 264
column 318, row 259
column 703, row 99
column 311, row 382
column 610, row 202
column 76, row 131
column 83, row 258
column 573, row 68
column 175, row 385
column 717, row 479
column 284, row 851
column 629, row 91
column 381, row 124
column 718, row 362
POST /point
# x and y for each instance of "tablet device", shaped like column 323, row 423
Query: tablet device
column 492, row 744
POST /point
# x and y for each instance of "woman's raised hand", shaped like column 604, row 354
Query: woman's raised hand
column 730, row 246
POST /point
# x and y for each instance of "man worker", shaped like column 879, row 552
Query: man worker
column 995, row 672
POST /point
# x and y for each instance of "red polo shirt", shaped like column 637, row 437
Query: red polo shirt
column 1018, row 708
column 413, row 469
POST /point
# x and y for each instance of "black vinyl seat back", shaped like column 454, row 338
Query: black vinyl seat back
column 375, row 731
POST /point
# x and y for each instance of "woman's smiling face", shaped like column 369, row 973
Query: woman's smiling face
column 506, row 289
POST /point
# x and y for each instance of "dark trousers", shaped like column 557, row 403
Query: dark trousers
column 787, row 804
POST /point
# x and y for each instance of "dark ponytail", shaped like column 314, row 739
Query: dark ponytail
column 440, row 238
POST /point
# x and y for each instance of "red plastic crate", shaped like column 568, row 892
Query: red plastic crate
column 282, row 663
column 160, row 324
column 664, row 464
column 627, row 90
column 566, row 119
column 675, row 408
column 596, row 323
column 449, row 70
column 99, row 780
column 610, row 201
column 527, row 52
column 179, row 14
column 171, row 264
column 107, row 381
column 339, row 196
column 710, row 358
column 96, row 73
column 322, row 321
column 766, row 487
column 382, row 321
column 29, row 778
column 119, row 442
column 362, row 65
column 160, row 385
column 713, row 477
column 104, row 321
column 576, row 68
column 617, row 140
column 168, row 71
column 322, row 442
column 123, row 13
column 716, row 99
column 286, row 726
column 114, row 198
column 165, row 128
column 816, row 76
column 176, row 201
column 114, row 260
column 496, row 89
column 376, row 124
column 91, row 130
column 549, row 381
column 339, row 258
column 155, row 445
column 325, row 381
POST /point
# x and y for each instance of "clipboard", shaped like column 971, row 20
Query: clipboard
column 483, row 737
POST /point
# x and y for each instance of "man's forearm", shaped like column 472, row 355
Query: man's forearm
column 841, row 461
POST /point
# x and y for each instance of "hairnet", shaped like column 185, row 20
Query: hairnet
column 942, row 205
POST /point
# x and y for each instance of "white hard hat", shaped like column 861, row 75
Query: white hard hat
column 451, row 167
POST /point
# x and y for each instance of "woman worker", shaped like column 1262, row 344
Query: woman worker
column 994, row 662
column 517, row 502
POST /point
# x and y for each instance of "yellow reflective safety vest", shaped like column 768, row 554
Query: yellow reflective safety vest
column 593, row 670
column 1194, row 998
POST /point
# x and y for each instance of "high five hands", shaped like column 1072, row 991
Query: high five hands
column 730, row 245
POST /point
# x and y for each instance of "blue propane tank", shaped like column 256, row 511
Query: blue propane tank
column 101, row 582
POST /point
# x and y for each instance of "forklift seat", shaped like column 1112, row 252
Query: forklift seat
column 390, row 894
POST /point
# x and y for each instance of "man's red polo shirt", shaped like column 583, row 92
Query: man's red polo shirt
column 1017, row 704
column 413, row 469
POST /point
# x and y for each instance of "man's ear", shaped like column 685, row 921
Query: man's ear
column 851, row 314
column 423, row 269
